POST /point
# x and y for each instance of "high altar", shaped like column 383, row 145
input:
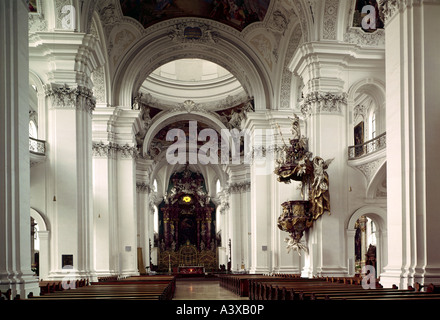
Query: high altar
column 187, row 235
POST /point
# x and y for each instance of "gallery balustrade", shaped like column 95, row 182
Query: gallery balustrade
column 368, row 147
column 37, row 146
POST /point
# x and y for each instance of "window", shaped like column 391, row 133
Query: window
column 373, row 125
column 155, row 185
column 218, row 186
column 33, row 130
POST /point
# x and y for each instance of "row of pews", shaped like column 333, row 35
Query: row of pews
column 47, row 287
column 293, row 287
column 158, row 287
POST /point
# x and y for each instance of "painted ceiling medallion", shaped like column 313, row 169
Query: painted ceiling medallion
column 236, row 13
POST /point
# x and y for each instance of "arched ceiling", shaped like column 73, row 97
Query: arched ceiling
column 204, row 82
column 235, row 13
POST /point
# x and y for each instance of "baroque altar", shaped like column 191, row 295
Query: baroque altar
column 187, row 232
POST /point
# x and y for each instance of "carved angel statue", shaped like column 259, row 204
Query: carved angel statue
column 236, row 118
column 282, row 155
column 137, row 102
column 319, row 167
column 319, row 193
column 296, row 129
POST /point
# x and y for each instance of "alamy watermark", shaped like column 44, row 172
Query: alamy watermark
column 231, row 146
column 369, row 20
column 369, row 278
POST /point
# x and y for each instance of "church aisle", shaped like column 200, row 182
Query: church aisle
column 196, row 289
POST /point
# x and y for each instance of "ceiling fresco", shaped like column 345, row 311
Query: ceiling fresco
column 236, row 13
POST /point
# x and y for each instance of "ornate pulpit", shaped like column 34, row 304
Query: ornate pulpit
column 295, row 163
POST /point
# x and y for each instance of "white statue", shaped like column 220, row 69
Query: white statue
column 296, row 128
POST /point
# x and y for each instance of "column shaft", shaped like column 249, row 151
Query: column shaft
column 15, row 255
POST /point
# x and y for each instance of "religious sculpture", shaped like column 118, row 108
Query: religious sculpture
column 296, row 163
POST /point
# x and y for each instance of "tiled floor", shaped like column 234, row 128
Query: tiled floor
column 203, row 290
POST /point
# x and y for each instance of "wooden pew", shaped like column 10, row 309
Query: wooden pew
column 239, row 283
column 50, row 286
column 5, row 295
column 134, row 288
column 331, row 288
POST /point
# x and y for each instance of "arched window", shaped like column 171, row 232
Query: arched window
column 218, row 186
column 155, row 185
column 33, row 130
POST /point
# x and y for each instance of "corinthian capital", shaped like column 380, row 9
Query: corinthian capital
column 323, row 102
column 65, row 97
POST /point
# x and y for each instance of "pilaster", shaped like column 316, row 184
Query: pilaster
column 145, row 210
column 261, row 173
column 239, row 188
column 126, row 191
column 15, row 254
column 413, row 181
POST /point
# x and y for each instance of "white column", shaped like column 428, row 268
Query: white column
column 127, row 210
column 67, row 59
column 15, row 255
column 126, row 191
column 145, row 210
column 105, row 229
column 70, row 170
column 239, row 187
column 44, row 254
column 261, row 173
column 324, row 108
column 413, row 119
column 222, row 224
column 328, row 140
column 350, row 236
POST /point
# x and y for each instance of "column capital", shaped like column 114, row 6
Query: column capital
column 389, row 8
column 70, row 97
column 239, row 187
column 319, row 102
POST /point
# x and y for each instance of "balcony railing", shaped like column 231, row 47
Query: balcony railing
column 37, row 146
column 369, row 147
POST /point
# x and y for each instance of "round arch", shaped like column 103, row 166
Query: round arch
column 164, row 42
column 166, row 118
column 375, row 89
column 379, row 216
column 372, row 86
column 43, row 235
